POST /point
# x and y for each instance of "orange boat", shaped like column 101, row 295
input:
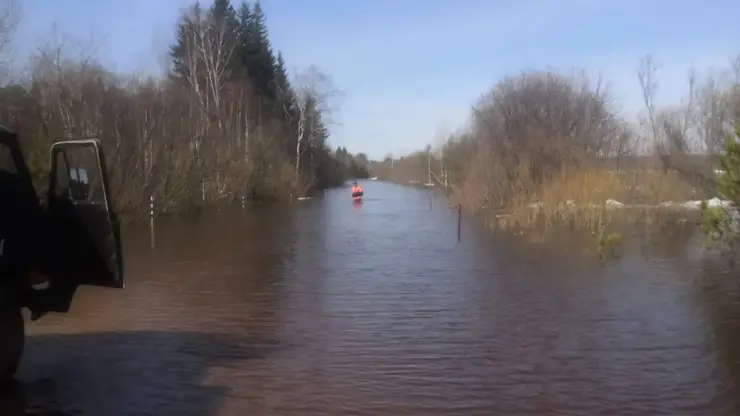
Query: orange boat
column 357, row 192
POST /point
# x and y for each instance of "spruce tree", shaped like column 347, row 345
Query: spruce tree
column 265, row 58
column 285, row 94
column 285, row 105
column 224, row 19
column 221, row 10
column 181, row 49
column 245, row 48
column 273, row 97
column 256, row 54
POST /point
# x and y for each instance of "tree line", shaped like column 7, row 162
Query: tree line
column 548, row 136
column 356, row 165
column 227, row 122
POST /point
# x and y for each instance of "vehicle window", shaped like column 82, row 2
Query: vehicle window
column 78, row 173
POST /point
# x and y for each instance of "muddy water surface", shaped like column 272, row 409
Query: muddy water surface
column 330, row 308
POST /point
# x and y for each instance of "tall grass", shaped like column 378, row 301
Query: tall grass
column 588, row 200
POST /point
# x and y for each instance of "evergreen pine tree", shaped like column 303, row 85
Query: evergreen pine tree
column 245, row 44
column 224, row 18
column 256, row 54
column 180, row 50
column 222, row 10
column 265, row 57
column 285, row 94
column 273, row 97
column 285, row 104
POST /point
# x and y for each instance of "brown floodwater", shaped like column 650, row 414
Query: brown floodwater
column 330, row 308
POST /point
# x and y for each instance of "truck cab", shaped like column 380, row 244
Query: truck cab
column 49, row 247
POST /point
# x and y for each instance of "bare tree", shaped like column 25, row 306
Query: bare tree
column 62, row 68
column 712, row 115
column 670, row 127
column 649, row 87
column 213, row 47
column 735, row 69
column 195, row 31
column 9, row 18
column 732, row 94
column 208, row 51
column 184, row 139
column 314, row 95
column 544, row 121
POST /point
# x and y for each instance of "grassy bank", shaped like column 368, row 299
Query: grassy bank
column 582, row 197
column 545, row 151
column 594, row 209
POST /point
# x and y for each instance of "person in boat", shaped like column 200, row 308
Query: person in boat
column 357, row 191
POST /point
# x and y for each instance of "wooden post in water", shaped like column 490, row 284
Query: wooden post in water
column 429, row 165
column 459, row 221
column 151, row 219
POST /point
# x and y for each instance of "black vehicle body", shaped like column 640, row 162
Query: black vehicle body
column 71, row 238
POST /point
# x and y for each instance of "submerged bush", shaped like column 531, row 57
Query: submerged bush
column 721, row 223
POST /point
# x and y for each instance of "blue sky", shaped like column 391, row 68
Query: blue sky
column 409, row 70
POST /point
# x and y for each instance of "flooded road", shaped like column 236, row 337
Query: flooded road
column 329, row 308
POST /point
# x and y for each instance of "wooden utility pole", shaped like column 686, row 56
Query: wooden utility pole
column 429, row 165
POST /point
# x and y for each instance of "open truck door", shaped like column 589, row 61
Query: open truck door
column 16, row 198
column 76, row 240
column 86, row 238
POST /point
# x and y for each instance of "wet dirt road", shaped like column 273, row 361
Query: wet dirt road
column 334, row 309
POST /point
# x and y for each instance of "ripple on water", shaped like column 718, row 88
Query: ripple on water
column 336, row 309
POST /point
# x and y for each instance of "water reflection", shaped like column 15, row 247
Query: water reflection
column 719, row 294
column 325, row 307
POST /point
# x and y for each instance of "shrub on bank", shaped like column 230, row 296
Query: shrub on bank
column 721, row 224
column 581, row 197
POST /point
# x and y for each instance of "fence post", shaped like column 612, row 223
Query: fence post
column 459, row 220
column 151, row 219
